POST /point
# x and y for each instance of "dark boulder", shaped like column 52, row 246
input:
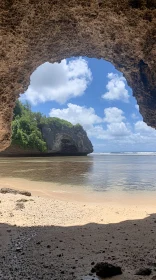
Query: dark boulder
column 105, row 270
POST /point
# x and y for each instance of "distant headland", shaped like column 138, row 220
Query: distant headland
column 34, row 134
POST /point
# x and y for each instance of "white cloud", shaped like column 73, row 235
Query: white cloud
column 113, row 131
column 58, row 81
column 113, row 114
column 117, row 129
column 92, row 123
column 143, row 128
column 116, row 88
column 137, row 107
column 97, row 132
column 77, row 114
column 112, row 128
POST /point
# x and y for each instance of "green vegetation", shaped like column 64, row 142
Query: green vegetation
column 56, row 122
column 26, row 127
column 25, row 131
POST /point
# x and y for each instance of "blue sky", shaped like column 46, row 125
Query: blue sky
column 93, row 93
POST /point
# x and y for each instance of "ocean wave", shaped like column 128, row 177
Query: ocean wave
column 125, row 153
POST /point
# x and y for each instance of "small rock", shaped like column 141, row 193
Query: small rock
column 8, row 190
column 18, row 249
column 22, row 200
column 26, row 193
column 143, row 271
column 105, row 270
column 19, row 206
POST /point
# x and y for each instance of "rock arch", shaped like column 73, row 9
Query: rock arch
column 33, row 32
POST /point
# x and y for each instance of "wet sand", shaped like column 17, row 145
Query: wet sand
column 57, row 234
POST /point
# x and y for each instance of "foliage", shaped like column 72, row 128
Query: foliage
column 56, row 122
column 25, row 131
column 78, row 125
column 18, row 110
column 27, row 125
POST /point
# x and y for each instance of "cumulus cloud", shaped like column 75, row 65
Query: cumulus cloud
column 113, row 131
column 77, row 114
column 58, row 81
column 112, row 128
column 117, row 129
column 116, row 88
column 94, row 124
column 113, row 114
column 143, row 128
column 115, row 126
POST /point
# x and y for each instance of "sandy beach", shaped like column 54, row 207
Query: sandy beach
column 60, row 235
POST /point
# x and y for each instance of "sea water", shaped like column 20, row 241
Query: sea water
column 100, row 172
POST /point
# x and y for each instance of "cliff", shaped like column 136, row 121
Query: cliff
column 60, row 141
column 35, row 134
column 66, row 140
column 33, row 32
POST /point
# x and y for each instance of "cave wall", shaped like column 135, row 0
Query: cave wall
column 33, row 32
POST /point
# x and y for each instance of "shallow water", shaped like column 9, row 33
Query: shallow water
column 130, row 172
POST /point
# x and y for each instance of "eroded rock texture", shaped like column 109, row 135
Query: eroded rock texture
column 33, row 32
column 64, row 140
column 60, row 140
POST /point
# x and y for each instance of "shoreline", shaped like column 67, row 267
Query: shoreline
column 117, row 206
column 76, row 193
column 56, row 235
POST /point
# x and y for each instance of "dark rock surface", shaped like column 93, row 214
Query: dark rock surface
column 66, row 140
column 144, row 271
column 60, row 140
column 104, row 270
column 33, row 32
column 8, row 190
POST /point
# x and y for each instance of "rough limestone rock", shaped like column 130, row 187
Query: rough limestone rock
column 61, row 139
column 66, row 140
column 33, row 32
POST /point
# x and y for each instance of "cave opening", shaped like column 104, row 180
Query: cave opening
column 87, row 92
column 94, row 94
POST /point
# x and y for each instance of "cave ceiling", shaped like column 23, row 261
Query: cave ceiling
column 33, row 32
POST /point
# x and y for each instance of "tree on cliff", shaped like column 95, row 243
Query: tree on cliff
column 25, row 131
column 27, row 127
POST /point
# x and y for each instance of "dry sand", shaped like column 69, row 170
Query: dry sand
column 57, row 234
